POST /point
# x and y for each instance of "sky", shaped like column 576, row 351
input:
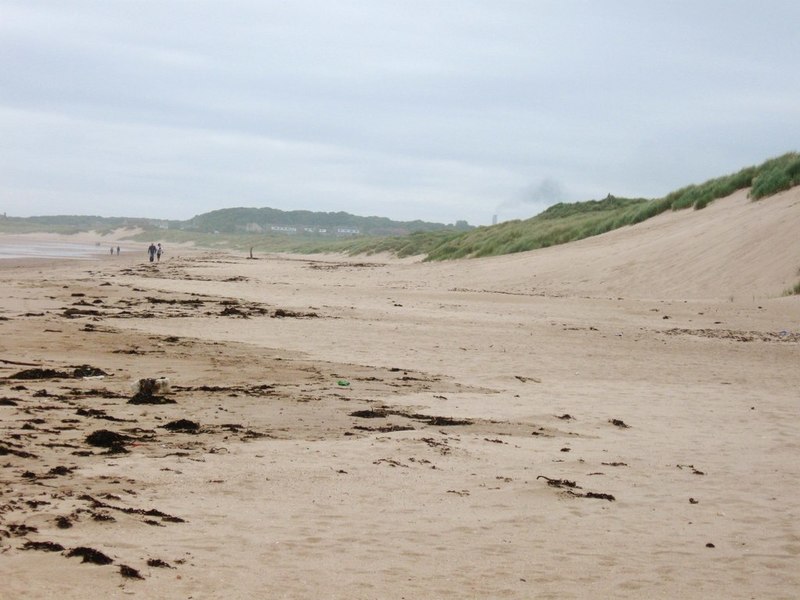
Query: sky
column 410, row 109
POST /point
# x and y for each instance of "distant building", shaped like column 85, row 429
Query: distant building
column 283, row 229
column 347, row 231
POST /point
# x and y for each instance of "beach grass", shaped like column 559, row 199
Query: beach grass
column 562, row 223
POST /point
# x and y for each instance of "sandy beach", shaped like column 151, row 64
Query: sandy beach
column 614, row 418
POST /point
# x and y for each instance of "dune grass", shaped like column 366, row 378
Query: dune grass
column 564, row 223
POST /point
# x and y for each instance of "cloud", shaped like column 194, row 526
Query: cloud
column 437, row 111
column 532, row 199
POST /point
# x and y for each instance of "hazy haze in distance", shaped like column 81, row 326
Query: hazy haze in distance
column 432, row 110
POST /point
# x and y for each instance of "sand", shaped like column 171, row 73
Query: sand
column 614, row 418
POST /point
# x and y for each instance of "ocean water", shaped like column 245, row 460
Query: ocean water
column 51, row 250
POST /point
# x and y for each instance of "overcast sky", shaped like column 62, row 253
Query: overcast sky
column 432, row 110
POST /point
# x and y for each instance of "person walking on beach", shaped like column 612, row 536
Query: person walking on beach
column 158, row 253
column 151, row 251
column 117, row 250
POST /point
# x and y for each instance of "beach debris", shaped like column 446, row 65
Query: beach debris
column 151, row 385
column 693, row 501
column 60, row 470
column 597, row 495
column 281, row 313
column 15, row 362
column 71, row 313
column 21, row 529
column 437, row 421
column 8, row 401
column 38, row 373
column 9, row 448
column 148, row 390
column 43, row 546
column 103, row 438
column 90, row 555
column 343, row 383
column 429, row 419
column 441, row 446
column 88, row 372
column 129, row 572
column 232, row 311
column 710, row 545
column 183, row 426
column 379, row 413
column 738, row 335
column 565, row 417
column 82, row 371
column 570, row 486
column 97, row 413
column 559, row 483
column 102, row 517
column 384, row 428
column 63, row 522
column 389, row 461
column 158, row 563
column 619, row 423
column 695, row 471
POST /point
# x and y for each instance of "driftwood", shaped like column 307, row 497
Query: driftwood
column 22, row 364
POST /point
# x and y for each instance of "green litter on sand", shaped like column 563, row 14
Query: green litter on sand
column 343, row 382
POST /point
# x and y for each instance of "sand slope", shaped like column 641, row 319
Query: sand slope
column 734, row 247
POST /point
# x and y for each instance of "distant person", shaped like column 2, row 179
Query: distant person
column 151, row 252
column 159, row 251
column 117, row 250
column 112, row 251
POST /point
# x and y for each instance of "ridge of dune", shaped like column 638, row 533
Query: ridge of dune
column 734, row 248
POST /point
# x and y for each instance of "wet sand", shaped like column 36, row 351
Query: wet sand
column 517, row 427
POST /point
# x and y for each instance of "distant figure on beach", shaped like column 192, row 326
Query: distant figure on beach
column 151, row 251
column 158, row 253
column 117, row 250
column 112, row 251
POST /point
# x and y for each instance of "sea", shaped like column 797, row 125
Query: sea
column 41, row 249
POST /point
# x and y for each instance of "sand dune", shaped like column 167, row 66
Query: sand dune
column 734, row 247
column 614, row 418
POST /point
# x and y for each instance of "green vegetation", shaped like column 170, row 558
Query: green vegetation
column 559, row 224
column 245, row 228
column 240, row 220
column 300, row 243
column 563, row 223
column 70, row 224
column 794, row 290
column 776, row 175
